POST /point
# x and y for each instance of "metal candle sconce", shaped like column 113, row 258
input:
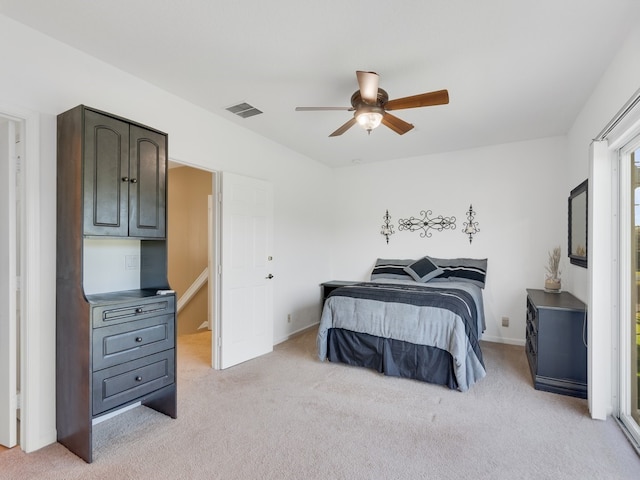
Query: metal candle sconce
column 470, row 227
column 387, row 228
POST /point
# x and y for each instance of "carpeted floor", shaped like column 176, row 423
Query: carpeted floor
column 288, row 416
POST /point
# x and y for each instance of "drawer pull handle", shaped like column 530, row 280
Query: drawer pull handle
column 138, row 339
column 138, row 378
column 139, row 310
column 125, row 179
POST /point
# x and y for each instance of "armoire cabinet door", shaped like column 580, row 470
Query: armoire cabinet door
column 147, row 189
column 124, row 179
column 106, row 175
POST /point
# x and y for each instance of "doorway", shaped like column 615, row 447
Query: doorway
column 230, row 249
column 33, row 329
column 629, row 326
column 11, row 218
column 192, row 249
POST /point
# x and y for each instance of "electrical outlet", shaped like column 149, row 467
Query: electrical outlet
column 132, row 262
column 505, row 321
column 289, row 318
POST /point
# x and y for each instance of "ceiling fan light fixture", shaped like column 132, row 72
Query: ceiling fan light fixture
column 371, row 105
column 369, row 118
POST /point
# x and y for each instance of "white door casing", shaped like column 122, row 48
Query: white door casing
column 37, row 335
column 8, row 285
column 211, row 276
column 246, row 319
column 215, row 268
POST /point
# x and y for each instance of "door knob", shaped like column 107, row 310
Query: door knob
column 269, row 277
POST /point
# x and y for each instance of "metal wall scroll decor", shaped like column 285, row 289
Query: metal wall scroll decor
column 470, row 227
column 427, row 224
column 387, row 228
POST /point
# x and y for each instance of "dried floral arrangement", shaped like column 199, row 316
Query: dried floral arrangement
column 553, row 267
column 552, row 281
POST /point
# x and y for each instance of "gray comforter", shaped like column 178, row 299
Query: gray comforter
column 447, row 315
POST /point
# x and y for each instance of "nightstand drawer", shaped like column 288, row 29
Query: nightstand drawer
column 127, row 341
column 115, row 386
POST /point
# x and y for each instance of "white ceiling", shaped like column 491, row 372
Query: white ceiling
column 514, row 69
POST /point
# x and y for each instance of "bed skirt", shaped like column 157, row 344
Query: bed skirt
column 392, row 357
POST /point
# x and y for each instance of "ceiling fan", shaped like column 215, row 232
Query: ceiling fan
column 371, row 106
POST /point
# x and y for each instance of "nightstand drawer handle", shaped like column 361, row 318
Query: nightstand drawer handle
column 139, row 310
column 138, row 339
column 138, row 378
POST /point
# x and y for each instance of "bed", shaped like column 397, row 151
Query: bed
column 421, row 319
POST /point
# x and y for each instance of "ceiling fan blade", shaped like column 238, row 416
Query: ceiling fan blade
column 314, row 109
column 397, row 125
column 439, row 97
column 344, row 127
column 368, row 83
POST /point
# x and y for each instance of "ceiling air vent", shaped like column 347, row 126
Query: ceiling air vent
column 244, row 110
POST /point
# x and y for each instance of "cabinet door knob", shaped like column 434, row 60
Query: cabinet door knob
column 138, row 339
column 125, row 179
column 134, row 180
column 138, row 378
column 269, row 277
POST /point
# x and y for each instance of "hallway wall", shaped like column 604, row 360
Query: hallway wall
column 188, row 191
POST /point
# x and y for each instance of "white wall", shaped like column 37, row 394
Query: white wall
column 196, row 137
column 616, row 87
column 48, row 77
column 516, row 189
column 105, row 268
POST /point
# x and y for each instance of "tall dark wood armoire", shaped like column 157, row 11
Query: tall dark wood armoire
column 114, row 348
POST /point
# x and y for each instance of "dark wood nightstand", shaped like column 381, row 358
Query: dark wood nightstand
column 328, row 287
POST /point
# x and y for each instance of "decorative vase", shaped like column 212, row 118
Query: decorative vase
column 552, row 284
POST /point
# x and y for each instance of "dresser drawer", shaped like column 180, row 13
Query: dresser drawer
column 532, row 314
column 532, row 337
column 114, row 313
column 532, row 359
column 127, row 341
column 115, row 386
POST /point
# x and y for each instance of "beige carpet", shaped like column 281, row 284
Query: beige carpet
column 288, row 416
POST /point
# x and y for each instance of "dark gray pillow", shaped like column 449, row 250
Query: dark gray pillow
column 423, row 270
column 391, row 268
column 472, row 270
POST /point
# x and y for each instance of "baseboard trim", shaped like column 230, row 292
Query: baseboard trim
column 507, row 341
column 296, row 333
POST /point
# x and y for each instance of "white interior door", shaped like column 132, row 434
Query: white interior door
column 246, row 314
column 8, row 255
